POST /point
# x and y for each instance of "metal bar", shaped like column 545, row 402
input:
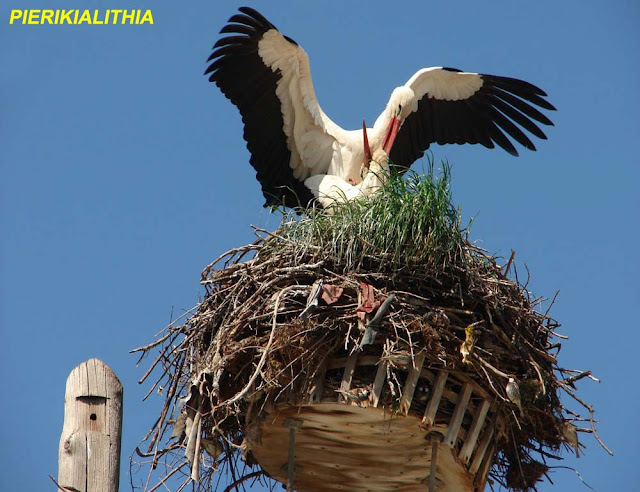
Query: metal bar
column 293, row 425
column 431, row 481
column 434, row 464
column 291, row 463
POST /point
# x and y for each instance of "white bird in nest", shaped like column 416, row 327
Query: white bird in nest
column 513, row 393
column 302, row 156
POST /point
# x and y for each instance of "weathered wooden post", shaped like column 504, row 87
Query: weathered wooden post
column 89, row 455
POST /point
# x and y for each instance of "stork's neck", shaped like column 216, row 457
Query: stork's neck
column 380, row 126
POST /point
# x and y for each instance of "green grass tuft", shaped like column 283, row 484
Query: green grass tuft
column 411, row 221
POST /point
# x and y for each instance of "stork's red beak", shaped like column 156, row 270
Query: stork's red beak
column 390, row 136
column 367, row 150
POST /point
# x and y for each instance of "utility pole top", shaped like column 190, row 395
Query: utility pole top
column 89, row 454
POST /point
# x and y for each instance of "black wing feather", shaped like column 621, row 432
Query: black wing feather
column 239, row 72
column 238, row 29
column 488, row 117
column 522, row 106
column 518, row 117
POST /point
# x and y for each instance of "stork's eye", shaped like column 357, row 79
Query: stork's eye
column 399, row 108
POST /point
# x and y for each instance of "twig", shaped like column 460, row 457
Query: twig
column 506, row 270
column 263, row 358
column 537, row 368
column 577, row 473
column 277, row 236
column 160, row 356
column 243, row 479
column 166, row 477
column 577, row 377
column 495, row 390
column 553, row 301
column 165, row 408
column 159, row 452
column 591, row 411
column 170, row 333
column 486, row 364
column 255, row 245
column 64, row 489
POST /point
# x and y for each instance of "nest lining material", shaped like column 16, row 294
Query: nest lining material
column 246, row 348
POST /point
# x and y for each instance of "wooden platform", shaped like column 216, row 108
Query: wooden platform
column 347, row 447
column 363, row 441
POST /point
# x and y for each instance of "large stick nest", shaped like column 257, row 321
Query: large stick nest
column 246, row 348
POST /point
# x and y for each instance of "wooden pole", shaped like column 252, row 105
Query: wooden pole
column 89, row 455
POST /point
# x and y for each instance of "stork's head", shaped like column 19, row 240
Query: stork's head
column 401, row 103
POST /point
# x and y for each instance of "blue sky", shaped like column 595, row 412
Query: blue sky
column 124, row 173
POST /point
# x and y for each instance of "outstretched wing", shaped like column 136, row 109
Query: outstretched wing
column 456, row 107
column 267, row 76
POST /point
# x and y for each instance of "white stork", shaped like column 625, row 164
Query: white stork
column 300, row 154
